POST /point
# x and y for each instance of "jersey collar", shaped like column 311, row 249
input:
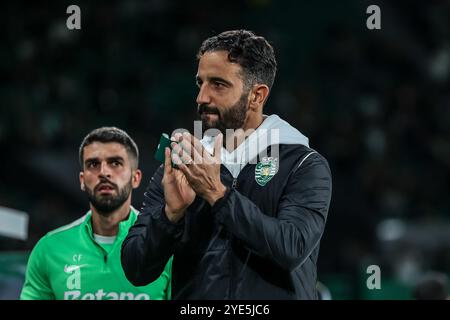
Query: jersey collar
column 124, row 225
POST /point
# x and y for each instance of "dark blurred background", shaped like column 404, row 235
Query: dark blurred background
column 375, row 103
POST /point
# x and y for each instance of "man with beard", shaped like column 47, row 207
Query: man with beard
column 242, row 216
column 82, row 260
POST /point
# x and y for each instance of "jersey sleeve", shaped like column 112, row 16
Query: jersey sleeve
column 37, row 285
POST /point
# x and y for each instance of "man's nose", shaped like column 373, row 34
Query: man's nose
column 104, row 170
column 203, row 96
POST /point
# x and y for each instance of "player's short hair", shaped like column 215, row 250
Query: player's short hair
column 253, row 53
column 111, row 134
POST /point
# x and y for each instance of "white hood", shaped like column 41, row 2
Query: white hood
column 272, row 131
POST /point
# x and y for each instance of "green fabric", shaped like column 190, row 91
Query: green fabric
column 68, row 264
column 107, row 247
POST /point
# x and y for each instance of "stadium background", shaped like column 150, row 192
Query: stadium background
column 375, row 103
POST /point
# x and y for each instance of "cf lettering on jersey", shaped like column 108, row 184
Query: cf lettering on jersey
column 102, row 295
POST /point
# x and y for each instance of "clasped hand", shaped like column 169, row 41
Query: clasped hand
column 197, row 173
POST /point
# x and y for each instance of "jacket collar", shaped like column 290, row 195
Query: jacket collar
column 272, row 131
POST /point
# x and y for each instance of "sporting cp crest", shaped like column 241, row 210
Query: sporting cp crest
column 265, row 170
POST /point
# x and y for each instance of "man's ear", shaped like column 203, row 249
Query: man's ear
column 136, row 178
column 82, row 187
column 258, row 96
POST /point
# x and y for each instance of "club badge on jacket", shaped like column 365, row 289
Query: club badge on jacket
column 265, row 170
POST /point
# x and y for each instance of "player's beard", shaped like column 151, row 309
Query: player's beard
column 106, row 204
column 227, row 118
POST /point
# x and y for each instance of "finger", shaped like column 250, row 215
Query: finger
column 198, row 158
column 186, row 171
column 199, row 151
column 177, row 137
column 176, row 148
column 181, row 154
column 218, row 143
column 196, row 144
column 176, row 159
column 191, row 151
column 167, row 161
column 186, row 147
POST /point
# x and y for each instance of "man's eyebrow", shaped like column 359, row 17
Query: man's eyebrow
column 88, row 160
column 115, row 158
column 214, row 79
column 219, row 79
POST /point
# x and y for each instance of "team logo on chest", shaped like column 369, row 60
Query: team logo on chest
column 265, row 170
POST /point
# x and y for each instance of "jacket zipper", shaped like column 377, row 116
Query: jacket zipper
column 231, row 288
column 103, row 251
column 105, row 254
column 232, row 296
column 234, row 184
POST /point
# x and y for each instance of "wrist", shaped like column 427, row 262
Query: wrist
column 216, row 195
column 173, row 215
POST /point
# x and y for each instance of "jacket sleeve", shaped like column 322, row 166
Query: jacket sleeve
column 289, row 236
column 150, row 241
column 37, row 285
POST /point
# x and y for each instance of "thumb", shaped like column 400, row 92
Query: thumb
column 167, row 161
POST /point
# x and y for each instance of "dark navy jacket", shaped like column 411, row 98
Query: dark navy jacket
column 257, row 242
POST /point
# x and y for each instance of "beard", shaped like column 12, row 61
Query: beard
column 106, row 204
column 229, row 118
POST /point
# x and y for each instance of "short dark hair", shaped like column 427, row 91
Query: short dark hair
column 111, row 134
column 253, row 53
